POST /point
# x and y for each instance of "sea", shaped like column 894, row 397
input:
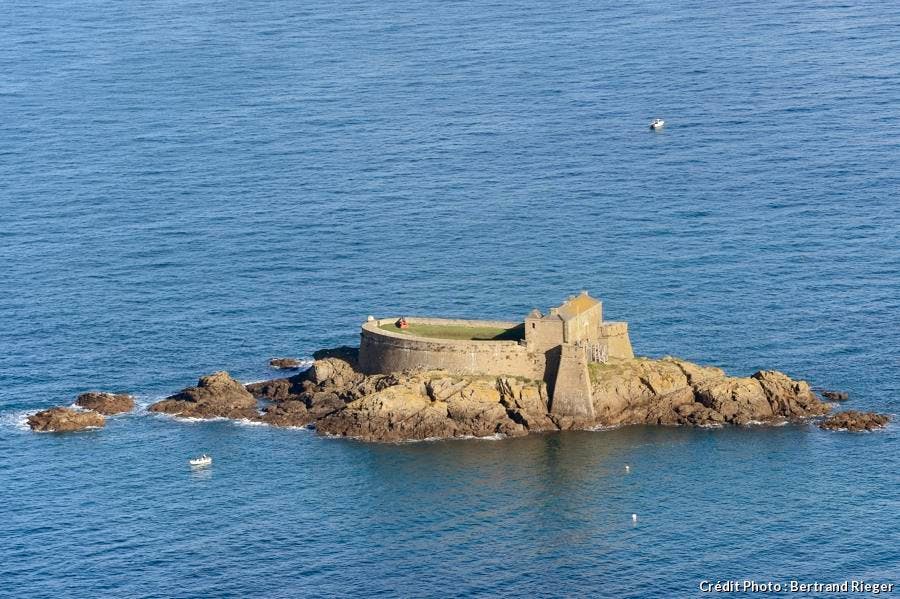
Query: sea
column 194, row 186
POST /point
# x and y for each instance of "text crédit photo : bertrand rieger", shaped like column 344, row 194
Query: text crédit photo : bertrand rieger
column 795, row 586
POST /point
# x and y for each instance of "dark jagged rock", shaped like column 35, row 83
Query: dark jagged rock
column 106, row 403
column 65, row 420
column 346, row 353
column 280, row 389
column 836, row 395
column 286, row 363
column 854, row 421
column 287, row 413
column 326, row 387
column 216, row 395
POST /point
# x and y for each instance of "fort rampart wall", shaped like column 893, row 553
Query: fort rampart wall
column 384, row 351
column 615, row 336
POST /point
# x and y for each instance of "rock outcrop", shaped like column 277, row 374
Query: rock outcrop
column 280, row 389
column 836, row 395
column 106, row 403
column 659, row 392
column 65, row 420
column 435, row 405
column 854, row 421
column 329, row 384
column 216, row 395
column 287, row 413
column 285, row 363
column 341, row 401
column 675, row 392
column 335, row 397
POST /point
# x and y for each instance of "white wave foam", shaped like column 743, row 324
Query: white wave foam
column 78, row 408
column 766, row 423
column 302, row 364
column 142, row 402
column 305, row 427
column 16, row 419
column 494, row 437
column 605, row 427
column 81, row 430
column 195, row 420
column 188, row 419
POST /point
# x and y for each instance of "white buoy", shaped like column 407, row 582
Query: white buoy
column 370, row 318
column 627, row 468
column 634, row 517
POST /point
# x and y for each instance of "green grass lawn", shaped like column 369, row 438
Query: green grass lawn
column 459, row 332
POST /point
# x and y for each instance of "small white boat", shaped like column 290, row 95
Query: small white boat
column 657, row 124
column 203, row 460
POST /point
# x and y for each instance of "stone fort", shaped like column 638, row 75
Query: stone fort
column 555, row 347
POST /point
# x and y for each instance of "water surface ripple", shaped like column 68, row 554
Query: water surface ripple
column 193, row 186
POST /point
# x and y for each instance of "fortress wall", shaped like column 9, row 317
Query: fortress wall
column 615, row 335
column 585, row 326
column 500, row 324
column 543, row 334
column 383, row 351
column 572, row 390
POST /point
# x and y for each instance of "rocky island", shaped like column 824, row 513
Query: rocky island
column 432, row 378
column 428, row 378
column 87, row 413
column 105, row 403
column 62, row 420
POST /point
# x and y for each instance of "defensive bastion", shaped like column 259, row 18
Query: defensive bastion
column 555, row 348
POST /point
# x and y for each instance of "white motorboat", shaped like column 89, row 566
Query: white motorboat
column 657, row 124
column 203, row 460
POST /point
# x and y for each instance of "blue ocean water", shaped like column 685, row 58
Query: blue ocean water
column 194, row 186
